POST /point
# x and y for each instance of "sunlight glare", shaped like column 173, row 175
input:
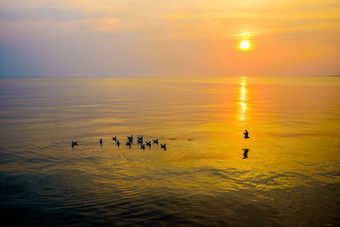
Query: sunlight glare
column 243, row 99
column 244, row 45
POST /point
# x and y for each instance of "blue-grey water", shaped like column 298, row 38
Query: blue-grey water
column 289, row 177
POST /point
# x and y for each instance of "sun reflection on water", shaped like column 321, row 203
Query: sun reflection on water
column 243, row 100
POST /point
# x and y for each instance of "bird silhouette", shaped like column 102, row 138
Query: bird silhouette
column 74, row 143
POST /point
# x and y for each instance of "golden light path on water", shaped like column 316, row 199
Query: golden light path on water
column 243, row 100
column 288, row 178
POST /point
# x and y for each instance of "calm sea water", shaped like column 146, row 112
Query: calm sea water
column 289, row 177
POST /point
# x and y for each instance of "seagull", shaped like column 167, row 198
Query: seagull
column 114, row 138
column 246, row 134
column 155, row 141
column 163, row 146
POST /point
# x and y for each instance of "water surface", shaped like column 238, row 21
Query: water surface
column 290, row 176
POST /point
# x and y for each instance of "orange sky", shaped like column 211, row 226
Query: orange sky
column 169, row 38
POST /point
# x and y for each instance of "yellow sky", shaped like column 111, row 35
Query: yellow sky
column 170, row 38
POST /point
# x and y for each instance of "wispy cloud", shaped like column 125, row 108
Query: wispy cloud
column 156, row 34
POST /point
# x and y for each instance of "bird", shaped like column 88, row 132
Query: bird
column 155, row 141
column 130, row 137
column 128, row 143
column 118, row 143
column 163, row 146
column 148, row 143
column 101, row 142
column 74, row 143
column 140, row 137
column 142, row 146
column 114, row 138
column 140, row 140
column 246, row 135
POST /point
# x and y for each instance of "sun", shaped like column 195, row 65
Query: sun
column 244, row 45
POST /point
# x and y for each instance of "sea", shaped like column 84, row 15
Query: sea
column 287, row 173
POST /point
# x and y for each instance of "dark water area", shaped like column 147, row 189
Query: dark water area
column 290, row 175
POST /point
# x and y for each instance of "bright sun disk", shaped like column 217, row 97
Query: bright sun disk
column 244, row 45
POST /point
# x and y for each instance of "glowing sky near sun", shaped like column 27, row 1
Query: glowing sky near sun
column 169, row 38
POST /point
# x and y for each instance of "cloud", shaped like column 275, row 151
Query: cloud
column 86, row 36
column 193, row 20
column 43, row 14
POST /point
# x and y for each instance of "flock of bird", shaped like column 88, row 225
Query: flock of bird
column 140, row 140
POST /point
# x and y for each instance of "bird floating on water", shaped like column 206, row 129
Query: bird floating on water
column 246, row 135
column 130, row 141
column 140, row 139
